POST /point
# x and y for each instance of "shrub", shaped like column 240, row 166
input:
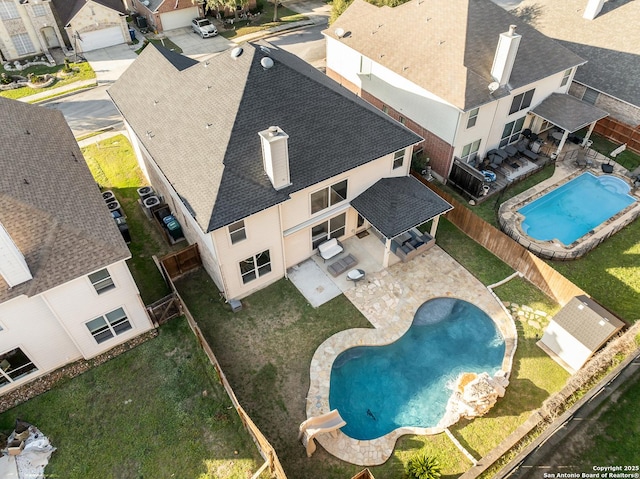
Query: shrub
column 422, row 466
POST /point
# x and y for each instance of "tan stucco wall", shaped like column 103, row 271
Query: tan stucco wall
column 93, row 17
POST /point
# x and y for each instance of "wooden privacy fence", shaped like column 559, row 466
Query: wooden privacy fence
column 165, row 309
column 519, row 258
column 619, row 132
column 181, row 262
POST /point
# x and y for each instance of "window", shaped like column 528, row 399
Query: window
column 473, row 117
column 565, row 78
column 511, row 132
column 470, row 152
column 385, row 109
column 15, row 365
column 590, row 96
column 398, row 159
column 108, row 326
column 237, row 232
column 39, row 10
column 327, row 197
column 101, row 281
column 23, row 44
column 255, row 266
column 333, row 228
column 8, row 10
column 402, row 120
column 521, row 101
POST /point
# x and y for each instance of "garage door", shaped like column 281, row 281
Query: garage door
column 179, row 18
column 101, row 39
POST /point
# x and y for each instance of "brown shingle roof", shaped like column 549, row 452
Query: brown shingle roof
column 49, row 202
column 447, row 46
column 67, row 9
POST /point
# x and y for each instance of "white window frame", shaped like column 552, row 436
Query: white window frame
column 566, row 76
column 329, row 190
column 471, row 151
column 101, row 283
column 255, row 270
column 334, row 227
column 6, row 371
column 8, row 10
column 514, row 132
column 111, row 324
column 385, row 109
column 398, row 159
column 473, row 118
column 39, row 10
column 237, row 232
column 23, row 44
column 522, row 101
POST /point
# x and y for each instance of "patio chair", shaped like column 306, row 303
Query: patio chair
column 581, row 160
column 511, row 150
column 495, row 161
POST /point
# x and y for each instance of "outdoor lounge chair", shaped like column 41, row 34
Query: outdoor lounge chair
column 511, row 150
column 581, row 160
column 495, row 161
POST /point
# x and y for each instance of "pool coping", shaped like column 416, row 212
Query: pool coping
column 389, row 299
column 511, row 220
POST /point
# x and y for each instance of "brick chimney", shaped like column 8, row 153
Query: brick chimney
column 13, row 267
column 275, row 156
column 505, row 57
column 593, row 8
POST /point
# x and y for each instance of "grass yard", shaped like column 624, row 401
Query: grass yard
column 85, row 72
column 627, row 158
column 264, row 21
column 114, row 167
column 156, row 411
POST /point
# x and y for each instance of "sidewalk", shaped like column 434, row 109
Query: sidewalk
column 60, row 91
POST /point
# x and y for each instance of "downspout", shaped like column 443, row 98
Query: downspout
column 224, row 282
column 282, row 245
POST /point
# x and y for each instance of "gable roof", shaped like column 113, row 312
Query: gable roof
column 447, row 46
column 49, row 202
column 67, row 9
column 609, row 42
column 203, row 124
column 588, row 322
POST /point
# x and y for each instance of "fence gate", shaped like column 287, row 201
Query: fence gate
column 181, row 262
column 165, row 309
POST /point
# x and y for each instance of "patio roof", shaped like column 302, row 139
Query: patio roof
column 395, row 205
column 568, row 112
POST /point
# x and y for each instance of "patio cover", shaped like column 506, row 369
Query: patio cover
column 568, row 112
column 395, row 205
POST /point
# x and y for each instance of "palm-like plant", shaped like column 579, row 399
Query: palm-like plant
column 422, row 466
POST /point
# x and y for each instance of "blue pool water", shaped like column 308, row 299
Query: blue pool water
column 575, row 208
column 378, row 389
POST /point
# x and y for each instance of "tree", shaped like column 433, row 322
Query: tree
column 221, row 5
column 340, row 6
column 422, row 466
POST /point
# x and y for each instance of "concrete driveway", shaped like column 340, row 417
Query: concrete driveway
column 194, row 46
column 109, row 63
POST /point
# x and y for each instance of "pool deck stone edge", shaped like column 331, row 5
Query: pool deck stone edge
column 389, row 299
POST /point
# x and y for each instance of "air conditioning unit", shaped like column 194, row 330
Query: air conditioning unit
column 114, row 208
column 151, row 202
column 108, row 196
column 145, row 192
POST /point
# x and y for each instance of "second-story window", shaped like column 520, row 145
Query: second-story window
column 521, row 101
column 39, row 10
column 398, row 159
column 473, row 117
column 237, row 232
column 565, row 78
column 8, row 10
column 101, row 281
column 329, row 196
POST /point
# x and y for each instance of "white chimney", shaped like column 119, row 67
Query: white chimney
column 505, row 55
column 275, row 156
column 13, row 267
column 593, row 8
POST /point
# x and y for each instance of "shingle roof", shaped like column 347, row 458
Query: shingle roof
column 568, row 112
column 49, row 202
column 395, row 205
column 447, row 46
column 588, row 322
column 609, row 42
column 203, row 125
column 67, row 9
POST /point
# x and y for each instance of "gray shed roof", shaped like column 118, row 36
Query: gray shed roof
column 67, row 9
column 395, row 205
column 568, row 112
column 49, row 203
column 588, row 322
column 447, row 46
column 203, row 124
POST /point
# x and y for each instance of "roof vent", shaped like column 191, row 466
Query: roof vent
column 266, row 63
column 339, row 32
column 265, row 50
column 236, row 52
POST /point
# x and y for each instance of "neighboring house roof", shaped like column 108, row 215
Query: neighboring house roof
column 568, row 112
column 395, row 205
column 67, row 9
column 588, row 322
column 49, row 203
column 609, row 42
column 153, row 5
column 447, row 46
column 201, row 124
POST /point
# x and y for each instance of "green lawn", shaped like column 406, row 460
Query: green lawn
column 627, row 158
column 114, row 167
column 84, row 73
column 264, row 21
column 157, row 411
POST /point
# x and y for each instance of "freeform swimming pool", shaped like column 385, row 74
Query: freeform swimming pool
column 378, row 389
column 572, row 210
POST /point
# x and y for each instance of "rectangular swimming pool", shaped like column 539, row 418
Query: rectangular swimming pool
column 575, row 208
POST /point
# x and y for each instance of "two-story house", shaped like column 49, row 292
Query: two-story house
column 66, row 292
column 464, row 74
column 27, row 28
column 259, row 156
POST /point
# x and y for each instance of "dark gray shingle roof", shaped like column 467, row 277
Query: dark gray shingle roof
column 568, row 112
column 67, row 9
column 447, row 46
column 204, row 123
column 395, row 205
column 588, row 322
column 49, row 203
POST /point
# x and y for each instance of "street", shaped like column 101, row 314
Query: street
column 308, row 44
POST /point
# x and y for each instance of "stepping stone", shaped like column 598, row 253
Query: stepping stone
column 534, row 324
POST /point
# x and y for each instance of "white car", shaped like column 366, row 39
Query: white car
column 204, row 27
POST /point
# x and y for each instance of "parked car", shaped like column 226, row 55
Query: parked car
column 203, row 27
